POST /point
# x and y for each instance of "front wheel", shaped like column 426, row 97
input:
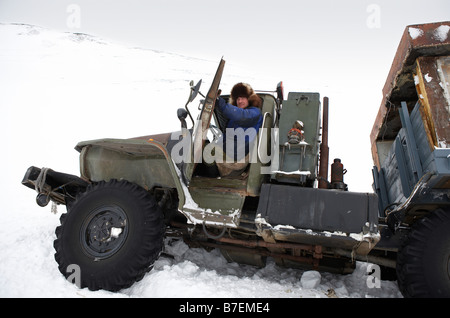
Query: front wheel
column 113, row 233
column 423, row 263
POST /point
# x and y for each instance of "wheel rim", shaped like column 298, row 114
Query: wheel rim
column 104, row 232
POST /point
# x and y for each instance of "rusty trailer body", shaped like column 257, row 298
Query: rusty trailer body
column 410, row 143
column 410, row 138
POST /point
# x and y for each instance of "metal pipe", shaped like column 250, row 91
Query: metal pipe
column 368, row 258
column 260, row 243
column 324, row 150
column 315, row 249
column 300, row 259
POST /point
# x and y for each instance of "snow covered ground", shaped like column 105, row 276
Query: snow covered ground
column 60, row 88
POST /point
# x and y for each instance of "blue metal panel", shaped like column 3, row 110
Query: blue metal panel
column 442, row 160
column 381, row 190
column 416, row 165
column 402, row 162
column 423, row 147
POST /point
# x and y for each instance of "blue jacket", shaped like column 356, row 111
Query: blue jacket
column 246, row 118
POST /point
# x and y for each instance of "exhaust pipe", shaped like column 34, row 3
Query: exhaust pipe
column 324, row 150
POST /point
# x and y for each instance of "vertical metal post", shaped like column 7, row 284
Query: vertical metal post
column 411, row 143
column 323, row 166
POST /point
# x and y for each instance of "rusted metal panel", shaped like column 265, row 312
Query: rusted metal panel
column 431, row 39
column 418, row 40
column 435, row 112
column 444, row 74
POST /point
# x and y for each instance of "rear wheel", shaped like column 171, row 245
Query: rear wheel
column 423, row 263
column 113, row 233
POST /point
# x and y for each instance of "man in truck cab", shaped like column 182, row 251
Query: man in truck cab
column 243, row 112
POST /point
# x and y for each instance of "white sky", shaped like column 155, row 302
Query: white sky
column 341, row 49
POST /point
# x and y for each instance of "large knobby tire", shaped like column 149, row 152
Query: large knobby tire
column 423, row 262
column 113, row 232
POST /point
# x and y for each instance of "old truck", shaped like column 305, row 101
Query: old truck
column 133, row 193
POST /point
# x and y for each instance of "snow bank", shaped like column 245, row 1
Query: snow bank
column 28, row 269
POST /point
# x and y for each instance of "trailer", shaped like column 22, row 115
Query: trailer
column 410, row 143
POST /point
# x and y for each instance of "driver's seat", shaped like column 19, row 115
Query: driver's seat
column 230, row 169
